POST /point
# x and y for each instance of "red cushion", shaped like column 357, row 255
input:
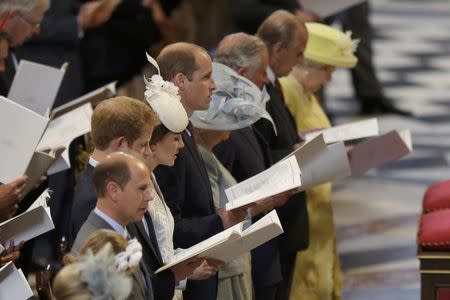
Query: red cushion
column 437, row 196
column 434, row 230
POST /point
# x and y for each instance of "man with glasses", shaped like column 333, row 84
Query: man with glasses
column 21, row 19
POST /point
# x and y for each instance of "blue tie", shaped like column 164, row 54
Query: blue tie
column 152, row 234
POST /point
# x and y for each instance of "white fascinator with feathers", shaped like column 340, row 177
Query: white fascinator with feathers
column 103, row 279
column 163, row 98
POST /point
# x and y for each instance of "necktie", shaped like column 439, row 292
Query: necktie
column 151, row 233
column 190, row 128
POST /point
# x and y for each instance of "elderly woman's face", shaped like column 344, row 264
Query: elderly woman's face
column 166, row 150
column 313, row 75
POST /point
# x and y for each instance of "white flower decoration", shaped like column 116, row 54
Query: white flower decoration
column 346, row 44
column 157, row 86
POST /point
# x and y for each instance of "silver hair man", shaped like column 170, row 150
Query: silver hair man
column 22, row 18
column 246, row 54
column 22, row 6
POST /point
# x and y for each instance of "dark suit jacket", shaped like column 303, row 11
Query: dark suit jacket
column 164, row 282
column 294, row 214
column 244, row 155
column 84, row 202
column 187, row 191
column 116, row 49
column 93, row 223
column 58, row 42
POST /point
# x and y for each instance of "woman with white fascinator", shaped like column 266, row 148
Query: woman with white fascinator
column 236, row 103
column 165, row 143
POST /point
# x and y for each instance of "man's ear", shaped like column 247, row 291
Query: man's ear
column 113, row 190
column 180, row 80
column 277, row 47
column 241, row 71
column 119, row 144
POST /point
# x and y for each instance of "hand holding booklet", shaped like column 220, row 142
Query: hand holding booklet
column 232, row 242
column 30, row 224
column 279, row 178
column 13, row 284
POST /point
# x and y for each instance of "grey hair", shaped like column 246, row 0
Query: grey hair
column 22, row 6
column 240, row 50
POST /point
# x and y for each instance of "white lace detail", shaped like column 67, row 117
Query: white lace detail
column 163, row 223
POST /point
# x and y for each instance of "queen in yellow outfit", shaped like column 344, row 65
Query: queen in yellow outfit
column 317, row 272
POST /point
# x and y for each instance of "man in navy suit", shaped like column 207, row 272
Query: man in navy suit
column 247, row 153
column 125, row 124
column 186, row 186
column 285, row 37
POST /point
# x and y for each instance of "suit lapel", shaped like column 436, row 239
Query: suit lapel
column 141, row 229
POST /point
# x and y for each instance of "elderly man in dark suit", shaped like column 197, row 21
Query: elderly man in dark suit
column 285, row 37
column 186, row 185
column 123, row 188
column 247, row 153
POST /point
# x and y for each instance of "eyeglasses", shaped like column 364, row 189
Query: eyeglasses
column 5, row 19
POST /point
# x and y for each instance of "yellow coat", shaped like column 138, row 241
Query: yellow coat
column 317, row 271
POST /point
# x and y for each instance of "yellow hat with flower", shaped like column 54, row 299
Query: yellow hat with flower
column 329, row 46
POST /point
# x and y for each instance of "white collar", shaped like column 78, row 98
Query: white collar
column 113, row 223
column 271, row 75
column 93, row 162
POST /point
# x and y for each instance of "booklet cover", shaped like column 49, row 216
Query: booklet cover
column 232, row 242
column 35, row 86
column 30, row 224
column 93, row 97
column 347, row 132
column 380, row 150
column 62, row 131
column 13, row 284
column 21, row 130
column 279, row 178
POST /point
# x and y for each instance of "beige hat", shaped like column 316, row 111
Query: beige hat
column 329, row 46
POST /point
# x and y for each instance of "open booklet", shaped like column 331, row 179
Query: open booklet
column 35, row 86
column 379, row 150
column 347, row 132
column 30, row 224
column 313, row 163
column 232, row 242
column 13, row 284
column 279, row 178
column 21, row 130
column 326, row 8
column 39, row 164
column 93, row 97
column 61, row 131
column 320, row 163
